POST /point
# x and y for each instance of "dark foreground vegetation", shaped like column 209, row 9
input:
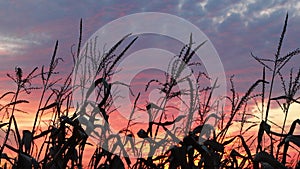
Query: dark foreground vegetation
column 61, row 142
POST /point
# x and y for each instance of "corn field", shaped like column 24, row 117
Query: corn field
column 63, row 140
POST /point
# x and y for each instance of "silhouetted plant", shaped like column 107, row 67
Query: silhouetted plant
column 61, row 141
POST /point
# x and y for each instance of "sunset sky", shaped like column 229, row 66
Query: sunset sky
column 29, row 29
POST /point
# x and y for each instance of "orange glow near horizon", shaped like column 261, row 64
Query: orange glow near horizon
column 25, row 121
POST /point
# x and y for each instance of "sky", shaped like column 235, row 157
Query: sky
column 29, row 29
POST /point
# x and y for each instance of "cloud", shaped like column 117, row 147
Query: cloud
column 11, row 45
column 236, row 28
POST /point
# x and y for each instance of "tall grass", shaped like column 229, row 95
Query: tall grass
column 62, row 140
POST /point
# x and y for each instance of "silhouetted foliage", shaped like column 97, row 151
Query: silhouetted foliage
column 62, row 140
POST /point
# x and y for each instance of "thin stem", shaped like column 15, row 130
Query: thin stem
column 10, row 119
